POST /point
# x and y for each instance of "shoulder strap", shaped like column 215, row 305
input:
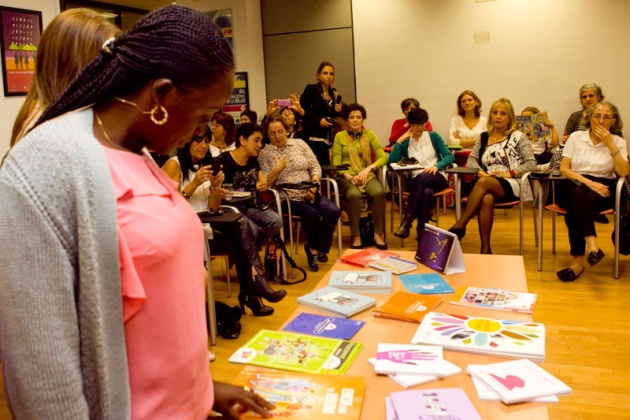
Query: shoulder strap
column 280, row 244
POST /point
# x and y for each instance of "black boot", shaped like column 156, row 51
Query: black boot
column 255, row 304
column 405, row 225
column 261, row 288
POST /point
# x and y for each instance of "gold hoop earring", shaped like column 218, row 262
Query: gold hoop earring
column 159, row 108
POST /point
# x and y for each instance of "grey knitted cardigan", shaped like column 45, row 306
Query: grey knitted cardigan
column 62, row 342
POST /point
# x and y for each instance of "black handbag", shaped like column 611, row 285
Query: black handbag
column 366, row 228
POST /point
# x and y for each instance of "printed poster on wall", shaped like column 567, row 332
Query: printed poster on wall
column 20, row 31
column 239, row 100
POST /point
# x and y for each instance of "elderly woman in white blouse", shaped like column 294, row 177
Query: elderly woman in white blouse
column 591, row 162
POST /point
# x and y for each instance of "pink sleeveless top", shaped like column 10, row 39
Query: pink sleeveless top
column 161, row 259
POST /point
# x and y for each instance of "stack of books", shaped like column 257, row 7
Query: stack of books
column 483, row 335
column 439, row 403
column 394, row 264
column 405, row 306
column 518, row 381
column 297, row 352
column 303, row 395
column 336, row 301
column 377, row 282
column 409, row 365
column 365, row 257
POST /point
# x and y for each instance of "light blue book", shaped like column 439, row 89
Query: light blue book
column 426, row 284
column 379, row 282
column 336, row 301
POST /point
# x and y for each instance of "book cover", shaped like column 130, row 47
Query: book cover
column 394, row 264
column 440, row 250
column 407, row 381
column 425, row 284
column 439, row 403
column 303, row 395
column 485, row 393
column 405, row 306
column 504, row 300
column 362, row 281
column 365, row 257
column 337, row 301
column 324, row 326
column 297, row 352
column 483, row 335
column 518, row 380
column 393, row 358
column 533, row 126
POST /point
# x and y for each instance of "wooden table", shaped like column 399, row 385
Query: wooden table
column 498, row 271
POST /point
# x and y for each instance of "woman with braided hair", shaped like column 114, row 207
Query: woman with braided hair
column 102, row 303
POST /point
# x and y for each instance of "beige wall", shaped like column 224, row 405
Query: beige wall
column 539, row 53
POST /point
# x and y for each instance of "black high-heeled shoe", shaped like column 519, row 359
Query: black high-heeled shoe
column 460, row 232
column 256, row 305
column 262, row 289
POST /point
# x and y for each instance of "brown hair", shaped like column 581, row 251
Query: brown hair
column 71, row 40
column 227, row 122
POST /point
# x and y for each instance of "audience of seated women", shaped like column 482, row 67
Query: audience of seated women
column 542, row 149
column 433, row 155
column 222, row 129
column 242, row 170
column 502, row 155
column 591, row 161
column 322, row 105
column 291, row 161
column 401, row 126
column 355, row 147
column 202, row 188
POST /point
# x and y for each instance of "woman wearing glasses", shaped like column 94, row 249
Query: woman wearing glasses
column 591, row 162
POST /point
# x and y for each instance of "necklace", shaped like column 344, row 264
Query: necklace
column 109, row 140
column 124, row 101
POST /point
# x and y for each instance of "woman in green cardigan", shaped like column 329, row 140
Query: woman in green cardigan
column 429, row 150
column 357, row 148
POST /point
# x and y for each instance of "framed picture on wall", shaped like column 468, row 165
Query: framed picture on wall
column 223, row 19
column 239, row 100
column 20, row 31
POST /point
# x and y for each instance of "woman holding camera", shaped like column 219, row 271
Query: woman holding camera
column 322, row 105
column 202, row 188
column 433, row 155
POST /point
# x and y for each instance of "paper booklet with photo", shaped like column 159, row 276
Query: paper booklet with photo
column 297, row 352
column 503, row 300
column 425, row 284
column 304, row 395
column 440, row 250
column 518, row 380
column 365, row 257
column 379, row 282
column 336, row 301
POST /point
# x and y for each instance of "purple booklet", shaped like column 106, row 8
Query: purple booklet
column 324, row 326
column 447, row 403
column 440, row 250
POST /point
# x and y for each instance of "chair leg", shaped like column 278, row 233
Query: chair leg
column 297, row 236
column 227, row 274
column 553, row 232
column 534, row 211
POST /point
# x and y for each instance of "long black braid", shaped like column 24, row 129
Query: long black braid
column 172, row 42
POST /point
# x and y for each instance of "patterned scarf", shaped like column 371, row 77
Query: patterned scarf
column 362, row 161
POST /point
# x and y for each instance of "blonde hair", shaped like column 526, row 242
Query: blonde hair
column 512, row 124
column 71, row 40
